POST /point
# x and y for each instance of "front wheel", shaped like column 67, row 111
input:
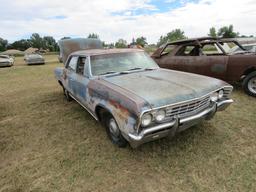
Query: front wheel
column 67, row 95
column 249, row 84
column 113, row 131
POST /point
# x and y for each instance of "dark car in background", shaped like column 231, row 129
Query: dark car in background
column 211, row 57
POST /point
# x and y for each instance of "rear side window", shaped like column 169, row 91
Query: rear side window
column 188, row 50
column 210, row 49
column 72, row 63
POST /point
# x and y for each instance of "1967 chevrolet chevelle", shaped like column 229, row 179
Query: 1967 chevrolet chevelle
column 136, row 100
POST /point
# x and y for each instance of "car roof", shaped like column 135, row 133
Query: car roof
column 105, row 51
column 200, row 39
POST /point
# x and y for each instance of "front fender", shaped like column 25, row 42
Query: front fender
column 123, row 107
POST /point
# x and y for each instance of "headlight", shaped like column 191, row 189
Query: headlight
column 146, row 120
column 214, row 97
column 160, row 115
column 221, row 94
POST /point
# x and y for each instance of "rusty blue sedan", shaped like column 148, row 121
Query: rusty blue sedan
column 136, row 100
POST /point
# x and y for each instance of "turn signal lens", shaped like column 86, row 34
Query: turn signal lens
column 146, row 119
column 214, row 97
column 221, row 94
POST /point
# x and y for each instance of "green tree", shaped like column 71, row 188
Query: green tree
column 3, row 44
column 50, row 43
column 174, row 35
column 37, row 41
column 142, row 41
column 93, row 36
column 21, row 45
column 227, row 32
column 121, row 43
column 212, row 32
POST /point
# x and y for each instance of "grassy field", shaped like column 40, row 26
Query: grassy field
column 49, row 144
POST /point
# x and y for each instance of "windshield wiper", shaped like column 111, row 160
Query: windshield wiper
column 136, row 68
column 150, row 68
column 108, row 72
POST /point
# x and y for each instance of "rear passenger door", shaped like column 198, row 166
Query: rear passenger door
column 214, row 61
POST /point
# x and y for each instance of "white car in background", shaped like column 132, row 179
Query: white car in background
column 33, row 59
column 6, row 61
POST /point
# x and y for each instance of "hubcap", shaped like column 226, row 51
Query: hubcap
column 113, row 128
column 252, row 85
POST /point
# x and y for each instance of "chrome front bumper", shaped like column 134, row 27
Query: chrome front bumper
column 175, row 126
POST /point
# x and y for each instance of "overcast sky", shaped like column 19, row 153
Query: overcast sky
column 114, row 19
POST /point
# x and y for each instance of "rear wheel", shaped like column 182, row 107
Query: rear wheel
column 249, row 84
column 113, row 130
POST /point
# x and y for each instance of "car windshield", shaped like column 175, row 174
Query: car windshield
column 120, row 62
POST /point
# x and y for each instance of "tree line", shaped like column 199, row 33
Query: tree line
column 50, row 44
column 36, row 41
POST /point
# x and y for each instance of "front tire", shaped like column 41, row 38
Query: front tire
column 249, row 84
column 113, row 130
column 67, row 95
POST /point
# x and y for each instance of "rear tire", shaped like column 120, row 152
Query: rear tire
column 249, row 84
column 113, row 130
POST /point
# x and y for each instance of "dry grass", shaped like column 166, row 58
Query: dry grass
column 48, row 144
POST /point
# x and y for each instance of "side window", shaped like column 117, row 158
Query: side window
column 188, row 50
column 72, row 63
column 167, row 49
column 211, row 49
column 82, row 63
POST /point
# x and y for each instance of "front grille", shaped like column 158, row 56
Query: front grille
column 189, row 108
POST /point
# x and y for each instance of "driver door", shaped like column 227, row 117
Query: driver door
column 82, row 80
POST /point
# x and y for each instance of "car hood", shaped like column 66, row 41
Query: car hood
column 163, row 87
